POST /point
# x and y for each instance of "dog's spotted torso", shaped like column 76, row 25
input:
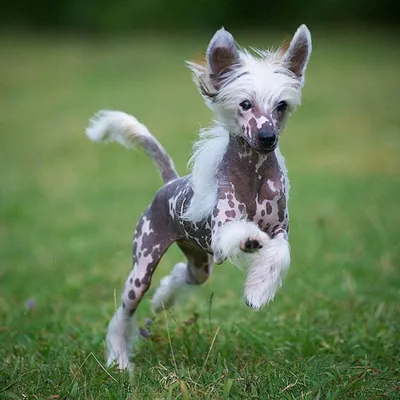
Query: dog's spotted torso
column 250, row 185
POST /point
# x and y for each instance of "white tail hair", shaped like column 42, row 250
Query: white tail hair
column 117, row 126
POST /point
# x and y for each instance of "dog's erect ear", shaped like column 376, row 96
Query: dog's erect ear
column 298, row 52
column 222, row 56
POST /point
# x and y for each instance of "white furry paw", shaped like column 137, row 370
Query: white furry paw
column 235, row 238
column 119, row 340
column 257, row 295
column 118, row 354
column 170, row 287
column 266, row 272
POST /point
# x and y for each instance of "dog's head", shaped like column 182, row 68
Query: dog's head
column 252, row 93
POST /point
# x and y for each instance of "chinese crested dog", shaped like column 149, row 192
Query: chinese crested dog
column 234, row 203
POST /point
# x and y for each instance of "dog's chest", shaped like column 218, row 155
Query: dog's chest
column 269, row 210
column 257, row 187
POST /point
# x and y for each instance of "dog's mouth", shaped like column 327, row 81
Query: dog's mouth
column 265, row 149
column 260, row 147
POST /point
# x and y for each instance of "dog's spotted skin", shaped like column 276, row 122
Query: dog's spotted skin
column 250, row 183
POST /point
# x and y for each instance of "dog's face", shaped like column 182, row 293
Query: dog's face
column 253, row 94
column 260, row 125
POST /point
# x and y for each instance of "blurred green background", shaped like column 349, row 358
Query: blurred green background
column 125, row 15
column 68, row 207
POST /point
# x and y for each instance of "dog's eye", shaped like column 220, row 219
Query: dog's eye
column 246, row 105
column 282, row 107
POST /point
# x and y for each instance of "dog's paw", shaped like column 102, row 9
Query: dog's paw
column 249, row 304
column 250, row 245
column 256, row 298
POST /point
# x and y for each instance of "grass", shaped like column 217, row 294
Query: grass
column 68, row 208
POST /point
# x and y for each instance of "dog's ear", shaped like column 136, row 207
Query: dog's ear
column 298, row 52
column 222, row 56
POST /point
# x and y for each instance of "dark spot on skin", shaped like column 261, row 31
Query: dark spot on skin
column 260, row 222
column 145, row 280
column 219, row 223
column 215, row 212
column 131, row 280
column 137, row 282
column 281, row 207
column 131, row 295
column 268, row 208
column 230, row 213
column 231, row 203
column 241, row 208
column 123, row 305
column 150, row 268
column 229, row 196
column 263, row 212
column 148, row 241
column 275, row 228
column 212, row 224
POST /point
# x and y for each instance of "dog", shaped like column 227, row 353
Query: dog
column 234, row 203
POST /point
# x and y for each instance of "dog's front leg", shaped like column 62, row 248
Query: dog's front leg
column 232, row 234
column 266, row 270
column 242, row 241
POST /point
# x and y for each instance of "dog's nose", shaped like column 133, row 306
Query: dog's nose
column 267, row 138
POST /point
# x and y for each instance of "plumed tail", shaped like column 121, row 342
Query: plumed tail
column 116, row 126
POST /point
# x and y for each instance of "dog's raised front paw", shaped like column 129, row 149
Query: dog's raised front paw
column 250, row 245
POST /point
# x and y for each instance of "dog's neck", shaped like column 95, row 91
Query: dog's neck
column 242, row 164
column 224, row 162
column 252, row 177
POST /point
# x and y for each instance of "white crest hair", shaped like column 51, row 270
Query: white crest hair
column 207, row 155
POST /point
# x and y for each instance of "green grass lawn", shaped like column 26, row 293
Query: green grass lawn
column 68, row 209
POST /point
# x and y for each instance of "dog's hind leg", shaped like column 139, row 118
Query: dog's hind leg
column 184, row 276
column 152, row 238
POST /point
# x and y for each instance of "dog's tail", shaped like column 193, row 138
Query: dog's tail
column 117, row 126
